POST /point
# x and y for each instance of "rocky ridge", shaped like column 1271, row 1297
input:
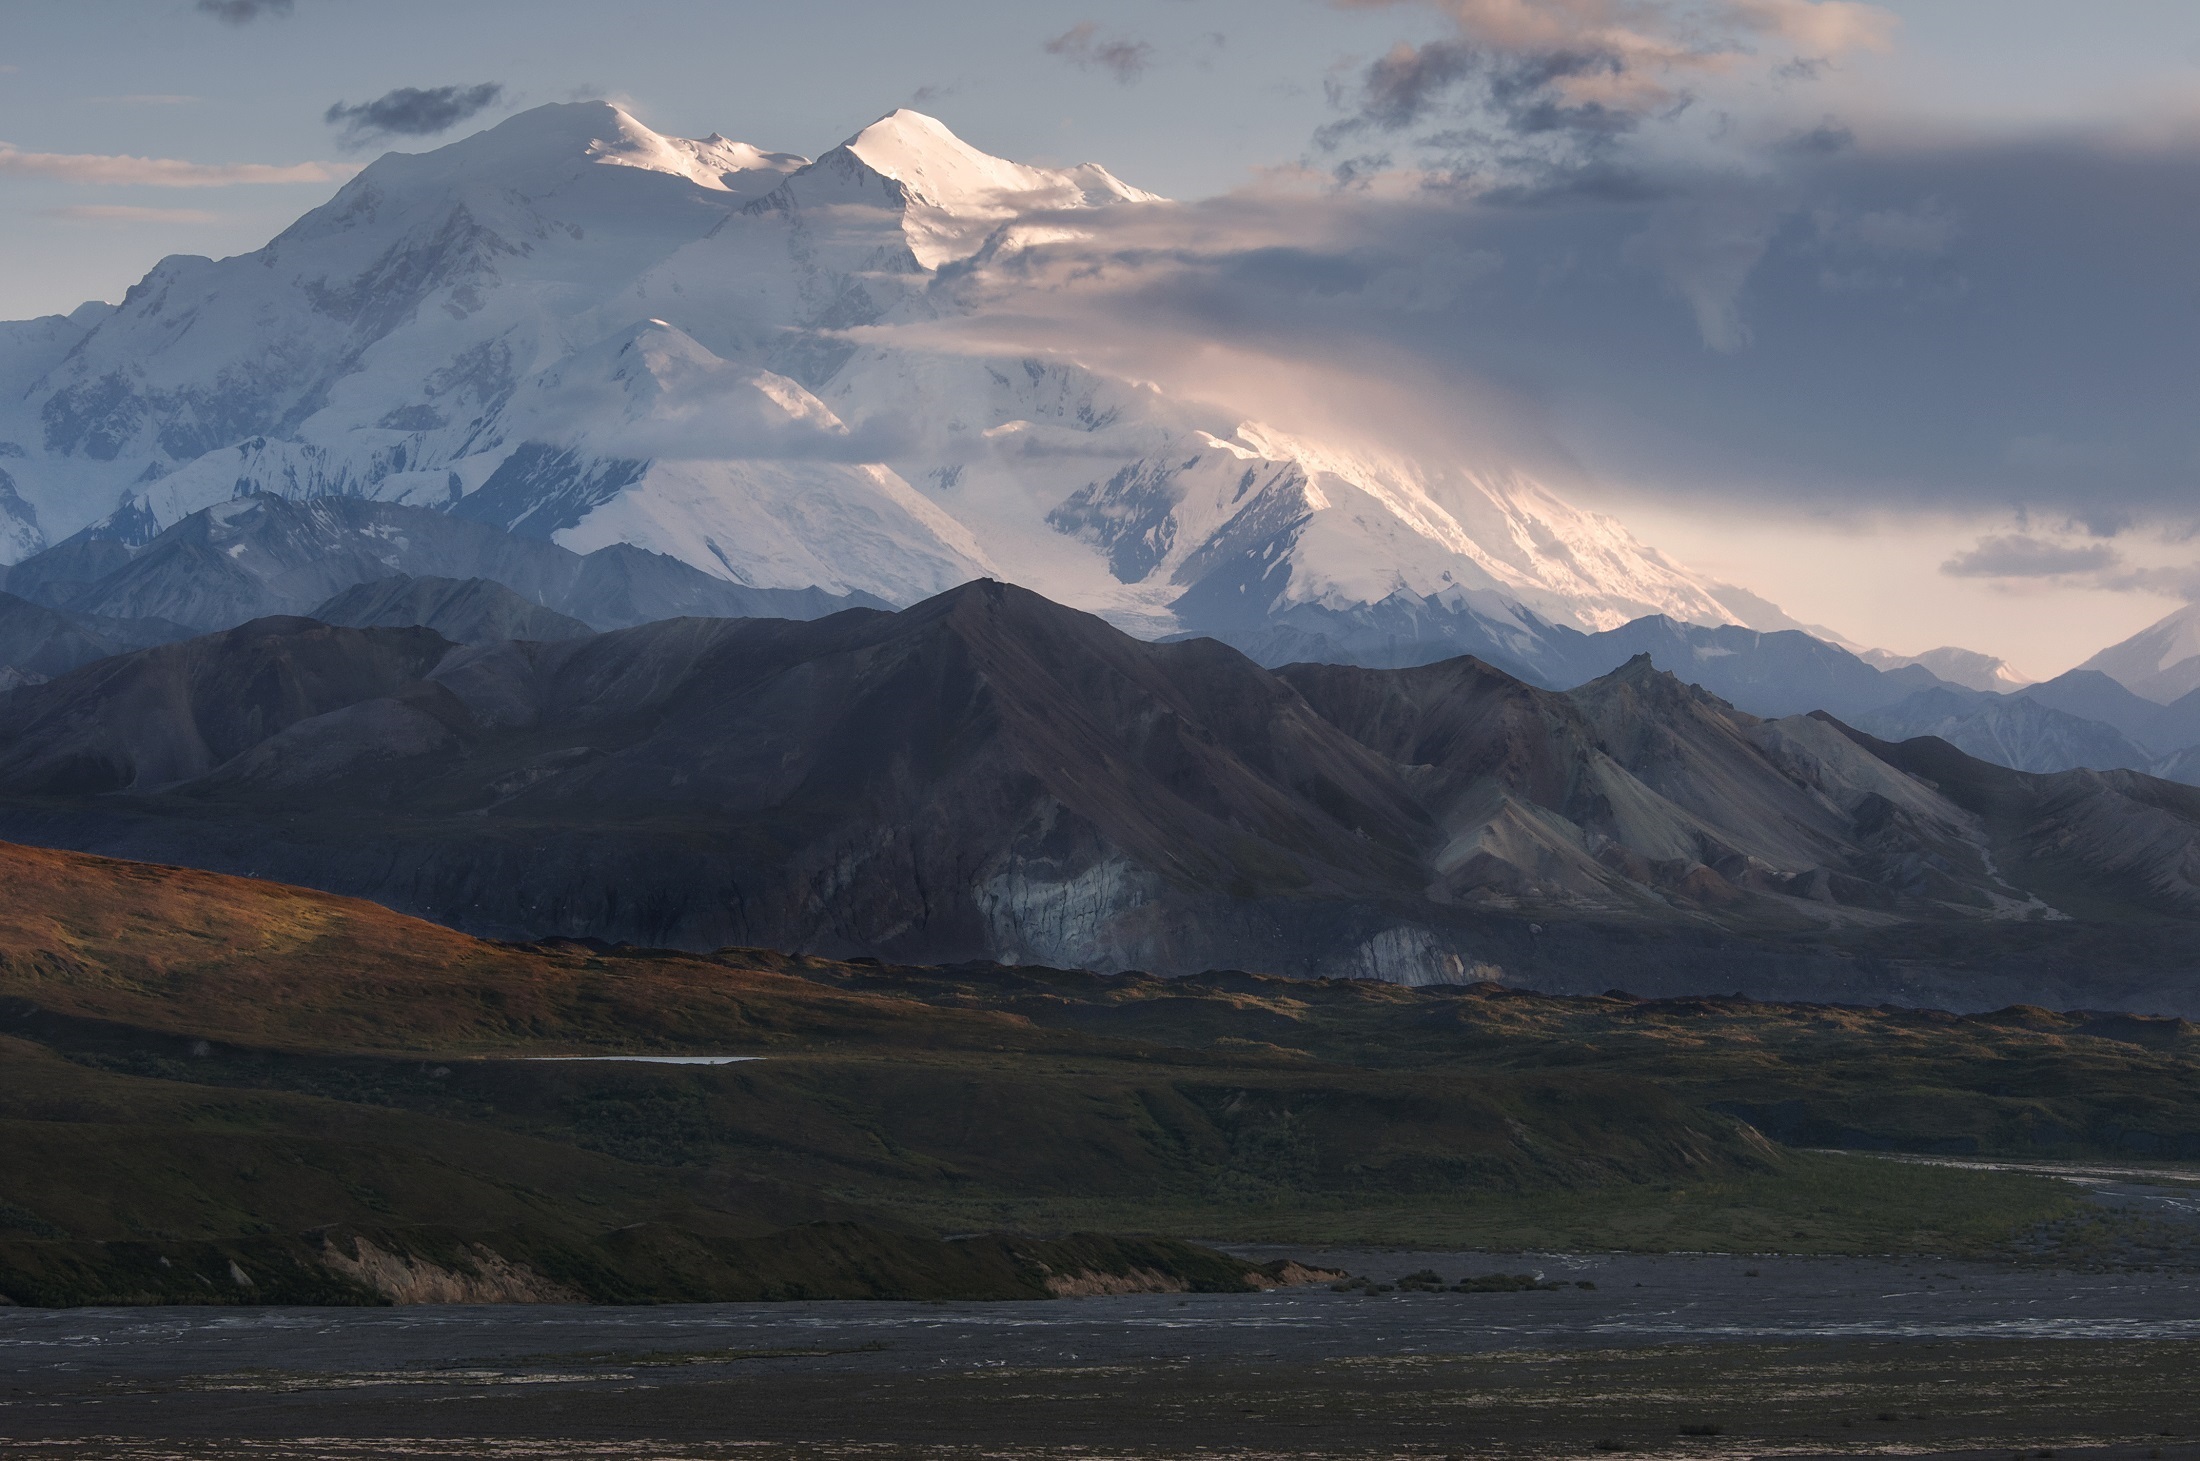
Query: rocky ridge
column 988, row 774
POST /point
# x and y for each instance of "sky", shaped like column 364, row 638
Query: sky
column 1886, row 312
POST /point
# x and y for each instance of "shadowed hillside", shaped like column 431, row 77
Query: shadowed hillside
column 991, row 775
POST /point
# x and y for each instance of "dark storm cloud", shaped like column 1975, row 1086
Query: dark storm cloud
column 411, row 111
column 243, row 12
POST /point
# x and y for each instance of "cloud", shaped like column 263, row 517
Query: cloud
column 1704, row 247
column 162, row 172
column 735, row 425
column 411, row 111
column 244, row 12
column 1536, row 93
column 1719, row 268
column 2020, row 555
column 699, row 407
column 126, row 213
column 2177, row 581
column 1925, row 229
column 1536, row 102
column 1972, row 327
column 1659, row 30
column 1083, row 47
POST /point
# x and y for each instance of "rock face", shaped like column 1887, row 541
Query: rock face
column 989, row 774
column 2163, row 729
column 37, row 642
column 263, row 554
column 465, row 611
column 2017, row 731
column 2081, row 720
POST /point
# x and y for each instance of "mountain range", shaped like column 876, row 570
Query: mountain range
column 988, row 774
column 577, row 330
column 362, row 563
column 580, row 530
column 261, row 554
column 579, row 333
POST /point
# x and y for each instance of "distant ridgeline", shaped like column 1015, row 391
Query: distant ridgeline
column 991, row 775
column 366, row 564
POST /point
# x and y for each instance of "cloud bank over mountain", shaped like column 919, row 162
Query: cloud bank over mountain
column 1676, row 250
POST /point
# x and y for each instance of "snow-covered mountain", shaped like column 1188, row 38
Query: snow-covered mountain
column 2008, row 730
column 1965, row 667
column 573, row 328
column 2160, row 662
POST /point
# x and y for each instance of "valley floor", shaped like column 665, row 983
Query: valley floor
column 1678, row 1355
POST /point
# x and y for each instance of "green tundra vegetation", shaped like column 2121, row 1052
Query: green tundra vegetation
column 215, row 1088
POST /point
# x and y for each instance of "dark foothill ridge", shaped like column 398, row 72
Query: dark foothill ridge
column 989, row 774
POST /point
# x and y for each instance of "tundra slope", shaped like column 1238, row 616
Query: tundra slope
column 241, row 1092
column 989, row 774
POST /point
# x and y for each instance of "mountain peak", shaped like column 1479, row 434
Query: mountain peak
column 1641, row 677
column 2161, row 661
column 559, row 135
column 1965, row 667
column 573, row 129
column 936, row 166
column 939, row 168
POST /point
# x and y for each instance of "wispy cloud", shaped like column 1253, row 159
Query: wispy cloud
column 2177, row 581
column 1084, row 47
column 162, row 172
column 2024, row 562
column 411, row 111
column 128, row 213
column 1529, row 91
column 244, row 12
column 2020, row 555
